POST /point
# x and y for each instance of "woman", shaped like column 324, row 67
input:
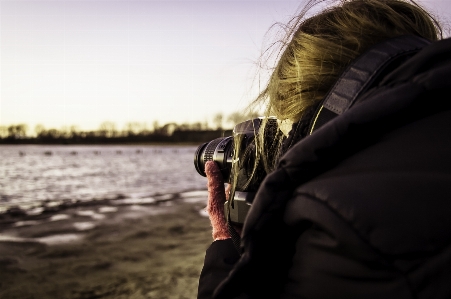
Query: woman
column 357, row 206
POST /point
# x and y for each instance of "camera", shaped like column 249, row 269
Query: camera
column 242, row 161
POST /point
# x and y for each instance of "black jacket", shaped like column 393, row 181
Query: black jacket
column 359, row 209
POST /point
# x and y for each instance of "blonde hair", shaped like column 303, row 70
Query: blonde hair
column 316, row 50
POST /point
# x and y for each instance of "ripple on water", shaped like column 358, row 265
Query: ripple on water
column 26, row 223
column 58, row 217
column 84, row 225
column 131, row 201
column 39, row 180
column 8, row 238
column 48, row 240
column 194, row 196
column 90, row 213
column 107, row 209
column 60, row 239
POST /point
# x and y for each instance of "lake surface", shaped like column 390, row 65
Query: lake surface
column 31, row 175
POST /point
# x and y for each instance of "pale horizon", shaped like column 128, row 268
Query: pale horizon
column 82, row 63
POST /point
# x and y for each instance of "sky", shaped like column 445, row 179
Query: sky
column 73, row 62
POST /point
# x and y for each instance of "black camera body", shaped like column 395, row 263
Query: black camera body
column 240, row 162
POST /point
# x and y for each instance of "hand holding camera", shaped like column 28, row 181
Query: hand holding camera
column 239, row 161
column 217, row 196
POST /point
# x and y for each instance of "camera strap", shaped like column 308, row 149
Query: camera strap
column 362, row 73
column 235, row 212
column 236, row 238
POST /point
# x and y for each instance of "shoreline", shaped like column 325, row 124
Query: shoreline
column 12, row 211
column 105, row 250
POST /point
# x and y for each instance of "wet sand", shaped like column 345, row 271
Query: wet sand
column 127, row 250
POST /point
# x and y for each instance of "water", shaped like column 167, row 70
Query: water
column 31, row 175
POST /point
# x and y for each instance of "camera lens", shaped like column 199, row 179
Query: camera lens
column 219, row 150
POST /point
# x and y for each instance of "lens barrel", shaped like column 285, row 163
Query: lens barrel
column 219, row 150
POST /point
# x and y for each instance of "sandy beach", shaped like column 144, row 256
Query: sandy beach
column 106, row 249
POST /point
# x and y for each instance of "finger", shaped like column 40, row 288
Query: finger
column 215, row 181
column 216, row 199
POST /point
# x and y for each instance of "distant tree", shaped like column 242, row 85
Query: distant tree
column 236, row 118
column 65, row 132
column 39, row 129
column 53, row 133
column 3, row 132
column 197, row 126
column 205, row 125
column 156, row 126
column 144, row 130
column 107, row 129
column 74, row 131
column 133, row 128
column 218, row 120
column 17, row 131
column 168, row 129
column 182, row 127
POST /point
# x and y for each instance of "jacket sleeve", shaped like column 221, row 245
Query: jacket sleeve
column 220, row 258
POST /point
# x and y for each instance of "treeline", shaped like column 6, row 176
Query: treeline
column 133, row 132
